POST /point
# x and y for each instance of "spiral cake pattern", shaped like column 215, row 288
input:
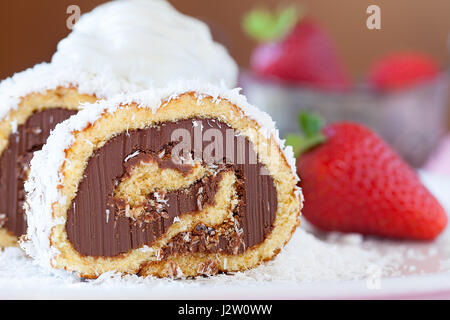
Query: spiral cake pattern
column 187, row 182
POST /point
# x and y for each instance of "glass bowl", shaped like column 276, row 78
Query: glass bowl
column 411, row 120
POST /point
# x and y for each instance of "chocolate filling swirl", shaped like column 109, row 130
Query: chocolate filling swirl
column 98, row 223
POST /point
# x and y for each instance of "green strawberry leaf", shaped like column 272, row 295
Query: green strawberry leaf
column 311, row 136
column 310, row 124
column 263, row 25
column 294, row 140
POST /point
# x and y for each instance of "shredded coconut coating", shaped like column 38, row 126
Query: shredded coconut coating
column 45, row 76
column 42, row 189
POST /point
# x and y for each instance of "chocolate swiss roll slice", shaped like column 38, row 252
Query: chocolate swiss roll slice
column 169, row 183
column 31, row 104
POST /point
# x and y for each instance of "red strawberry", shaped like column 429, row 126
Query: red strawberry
column 297, row 51
column 402, row 69
column 354, row 182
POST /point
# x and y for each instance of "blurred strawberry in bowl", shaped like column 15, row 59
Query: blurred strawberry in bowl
column 402, row 69
column 294, row 49
column 296, row 67
column 354, row 182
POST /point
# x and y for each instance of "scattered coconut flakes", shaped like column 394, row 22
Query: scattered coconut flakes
column 146, row 248
column 45, row 76
column 306, row 258
column 131, row 156
column 176, row 219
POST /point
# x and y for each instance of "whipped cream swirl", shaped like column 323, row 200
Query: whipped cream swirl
column 146, row 42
